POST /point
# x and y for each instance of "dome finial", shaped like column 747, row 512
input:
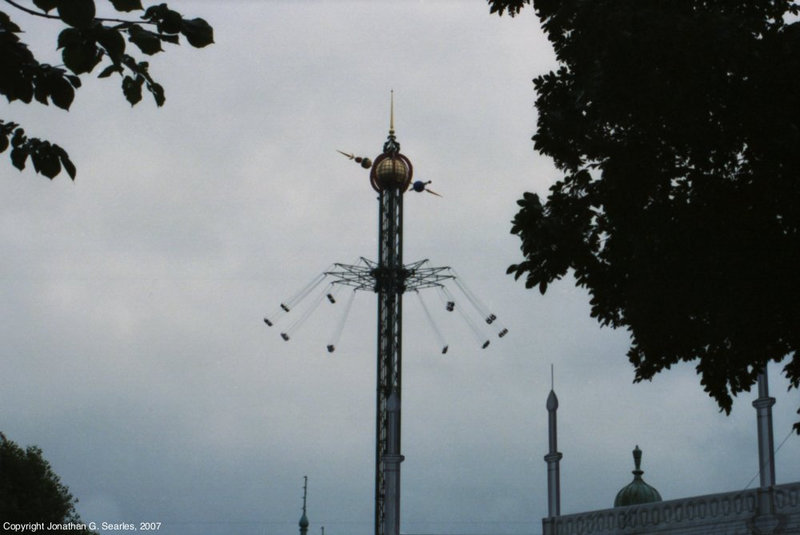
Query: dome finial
column 637, row 460
column 637, row 491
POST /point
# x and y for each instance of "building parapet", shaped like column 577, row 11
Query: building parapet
column 774, row 510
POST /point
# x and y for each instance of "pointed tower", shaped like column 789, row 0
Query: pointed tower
column 637, row 491
column 766, row 521
column 390, row 176
column 553, row 457
column 304, row 519
column 766, row 444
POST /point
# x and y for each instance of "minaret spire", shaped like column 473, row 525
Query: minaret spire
column 766, row 445
column 304, row 519
column 553, row 457
column 766, row 521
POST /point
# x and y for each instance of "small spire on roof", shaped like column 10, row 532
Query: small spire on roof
column 304, row 519
column 553, row 456
column 637, row 491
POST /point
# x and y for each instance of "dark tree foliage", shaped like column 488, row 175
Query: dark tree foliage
column 30, row 492
column 513, row 6
column 676, row 125
column 86, row 42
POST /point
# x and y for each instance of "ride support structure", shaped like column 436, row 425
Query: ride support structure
column 391, row 175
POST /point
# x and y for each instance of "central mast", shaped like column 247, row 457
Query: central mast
column 390, row 177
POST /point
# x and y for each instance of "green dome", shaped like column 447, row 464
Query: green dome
column 637, row 491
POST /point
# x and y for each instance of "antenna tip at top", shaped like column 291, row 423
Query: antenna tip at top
column 391, row 111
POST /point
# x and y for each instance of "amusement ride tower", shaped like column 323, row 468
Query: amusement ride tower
column 390, row 176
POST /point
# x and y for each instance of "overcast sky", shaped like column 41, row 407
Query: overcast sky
column 134, row 352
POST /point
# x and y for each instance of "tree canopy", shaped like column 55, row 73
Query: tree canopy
column 30, row 492
column 86, row 42
column 676, row 127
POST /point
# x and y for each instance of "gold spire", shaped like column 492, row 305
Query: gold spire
column 391, row 146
